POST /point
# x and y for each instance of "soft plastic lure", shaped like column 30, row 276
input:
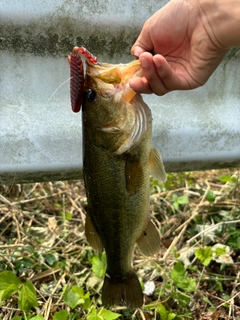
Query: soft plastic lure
column 77, row 75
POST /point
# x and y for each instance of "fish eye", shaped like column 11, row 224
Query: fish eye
column 91, row 95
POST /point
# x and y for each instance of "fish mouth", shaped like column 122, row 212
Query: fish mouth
column 114, row 73
column 109, row 79
column 105, row 90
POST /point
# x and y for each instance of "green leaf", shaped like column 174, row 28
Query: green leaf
column 187, row 284
column 162, row 311
column 211, row 196
column 178, row 272
column 93, row 315
column 68, row 216
column 102, row 314
column 178, row 275
column 15, row 318
column 29, row 249
column 108, row 315
column 60, row 315
column 84, row 296
column 50, row 259
column 182, row 298
column 27, row 297
column 179, row 200
column 72, row 299
column 205, row 299
column 79, row 291
column 8, row 278
column 224, row 178
column 183, row 200
column 99, row 265
column 9, row 284
column 164, row 314
column 220, row 251
column 226, row 296
column 39, row 317
column 24, row 263
column 7, row 293
column 171, row 316
column 175, row 205
column 175, row 197
column 238, row 243
column 204, row 255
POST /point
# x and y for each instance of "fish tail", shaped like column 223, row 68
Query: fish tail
column 126, row 290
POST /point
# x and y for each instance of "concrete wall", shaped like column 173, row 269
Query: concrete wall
column 40, row 137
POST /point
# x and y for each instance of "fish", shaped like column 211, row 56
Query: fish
column 118, row 157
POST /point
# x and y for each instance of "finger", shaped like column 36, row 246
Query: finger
column 137, row 50
column 169, row 79
column 157, row 76
column 151, row 75
column 143, row 42
column 140, row 84
column 150, row 81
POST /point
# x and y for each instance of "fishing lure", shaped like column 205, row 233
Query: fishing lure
column 77, row 75
column 88, row 55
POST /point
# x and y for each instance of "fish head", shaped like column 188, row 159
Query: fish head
column 111, row 107
column 110, row 82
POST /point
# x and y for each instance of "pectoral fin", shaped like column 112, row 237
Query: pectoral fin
column 156, row 167
column 149, row 241
column 92, row 235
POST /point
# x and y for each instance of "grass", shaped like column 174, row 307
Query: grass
column 48, row 270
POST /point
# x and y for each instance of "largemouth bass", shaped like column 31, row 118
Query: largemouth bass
column 117, row 158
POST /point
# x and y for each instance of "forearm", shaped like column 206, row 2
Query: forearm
column 223, row 18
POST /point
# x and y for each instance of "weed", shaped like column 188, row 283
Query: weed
column 48, row 270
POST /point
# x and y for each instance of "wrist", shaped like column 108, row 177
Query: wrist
column 222, row 20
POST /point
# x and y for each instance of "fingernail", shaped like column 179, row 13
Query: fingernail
column 134, row 52
column 156, row 61
column 144, row 62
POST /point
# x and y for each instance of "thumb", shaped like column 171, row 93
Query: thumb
column 143, row 42
column 137, row 50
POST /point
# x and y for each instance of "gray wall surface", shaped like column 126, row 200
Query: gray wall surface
column 40, row 136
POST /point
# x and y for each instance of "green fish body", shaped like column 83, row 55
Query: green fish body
column 117, row 159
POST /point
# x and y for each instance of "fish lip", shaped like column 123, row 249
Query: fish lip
column 103, row 65
column 95, row 69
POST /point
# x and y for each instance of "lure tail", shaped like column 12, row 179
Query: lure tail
column 77, row 75
column 76, row 81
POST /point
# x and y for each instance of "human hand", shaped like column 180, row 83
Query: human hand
column 185, row 48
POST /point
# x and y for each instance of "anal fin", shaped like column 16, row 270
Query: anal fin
column 92, row 236
column 149, row 241
column 156, row 167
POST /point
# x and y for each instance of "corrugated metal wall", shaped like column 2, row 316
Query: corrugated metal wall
column 40, row 137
